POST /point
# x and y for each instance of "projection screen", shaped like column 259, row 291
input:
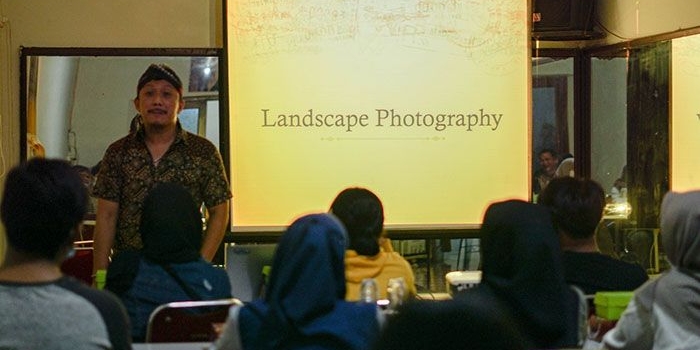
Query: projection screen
column 685, row 113
column 426, row 103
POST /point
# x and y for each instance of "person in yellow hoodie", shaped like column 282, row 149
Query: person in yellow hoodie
column 369, row 254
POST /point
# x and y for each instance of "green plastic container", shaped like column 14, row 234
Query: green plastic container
column 610, row 305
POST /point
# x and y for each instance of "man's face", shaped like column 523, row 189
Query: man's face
column 159, row 103
column 548, row 163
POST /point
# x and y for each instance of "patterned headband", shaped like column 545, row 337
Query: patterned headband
column 159, row 72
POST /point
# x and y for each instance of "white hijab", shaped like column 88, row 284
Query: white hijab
column 676, row 292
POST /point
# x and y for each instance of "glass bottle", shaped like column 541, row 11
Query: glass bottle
column 369, row 291
column 396, row 290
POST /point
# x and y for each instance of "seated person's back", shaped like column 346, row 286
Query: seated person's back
column 43, row 206
column 577, row 208
column 169, row 267
column 304, row 306
column 369, row 255
column 521, row 267
column 664, row 313
column 478, row 322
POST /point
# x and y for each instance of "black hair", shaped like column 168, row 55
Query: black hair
column 576, row 205
column 362, row 213
column 171, row 225
column 43, row 202
column 548, row 150
column 82, row 169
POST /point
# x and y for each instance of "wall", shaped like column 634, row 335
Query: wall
column 630, row 19
column 625, row 20
column 92, row 23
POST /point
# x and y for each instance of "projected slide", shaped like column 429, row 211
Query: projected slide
column 423, row 102
column 685, row 113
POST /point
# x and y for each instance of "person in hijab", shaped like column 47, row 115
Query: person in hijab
column 664, row 313
column 522, row 269
column 304, row 305
column 170, row 266
column 369, row 255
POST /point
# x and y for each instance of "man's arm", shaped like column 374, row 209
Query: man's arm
column 105, row 229
column 216, row 228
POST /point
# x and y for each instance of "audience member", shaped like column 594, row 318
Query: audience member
column 159, row 151
column 42, row 209
column 304, row 306
column 369, row 255
column 89, row 181
column 170, row 266
column 521, row 266
column 566, row 166
column 664, row 313
column 548, row 167
column 577, row 206
column 477, row 322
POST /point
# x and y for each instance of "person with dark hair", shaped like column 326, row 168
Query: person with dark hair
column 89, row 182
column 577, row 208
column 170, row 266
column 43, row 205
column 548, row 167
column 522, row 269
column 304, row 306
column 369, row 255
column 478, row 322
column 158, row 151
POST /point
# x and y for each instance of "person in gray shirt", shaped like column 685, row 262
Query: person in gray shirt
column 42, row 210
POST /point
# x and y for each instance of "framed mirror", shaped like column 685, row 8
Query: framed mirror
column 76, row 101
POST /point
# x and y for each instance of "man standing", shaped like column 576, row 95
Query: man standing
column 159, row 151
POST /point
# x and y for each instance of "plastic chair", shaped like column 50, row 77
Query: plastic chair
column 582, row 315
column 188, row 321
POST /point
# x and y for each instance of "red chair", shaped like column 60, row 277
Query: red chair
column 80, row 265
column 188, row 321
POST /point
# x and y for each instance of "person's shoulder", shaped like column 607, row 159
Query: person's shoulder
column 616, row 272
column 194, row 139
column 619, row 264
column 99, row 298
column 198, row 146
column 208, row 267
column 396, row 258
column 123, row 143
column 202, row 268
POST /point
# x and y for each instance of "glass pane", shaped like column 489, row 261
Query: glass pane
column 629, row 149
column 552, row 115
column 609, row 124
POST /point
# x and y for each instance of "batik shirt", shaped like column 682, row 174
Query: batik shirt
column 127, row 173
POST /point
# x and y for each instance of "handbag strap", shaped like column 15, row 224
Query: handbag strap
column 190, row 292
